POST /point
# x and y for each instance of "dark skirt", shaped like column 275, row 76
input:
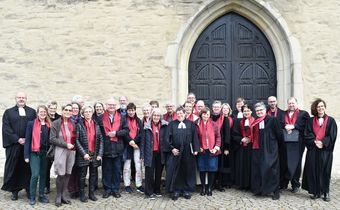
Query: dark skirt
column 206, row 162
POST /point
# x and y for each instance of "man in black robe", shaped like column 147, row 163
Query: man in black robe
column 295, row 119
column 17, row 173
column 265, row 167
column 182, row 146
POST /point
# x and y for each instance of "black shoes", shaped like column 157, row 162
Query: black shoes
column 43, row 199
column 202, row 191
column 187, row 195
column 32, row 201
column 295, row 189
column 326, row 197
column 116, row 194
column 65, row 201
column 175, row 196
column 92, row 197
column 209, row 192
column 314, row 196
column 14, row 196
column 276, row 195
column 106, row 194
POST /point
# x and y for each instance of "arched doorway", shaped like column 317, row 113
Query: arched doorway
column 232, row 58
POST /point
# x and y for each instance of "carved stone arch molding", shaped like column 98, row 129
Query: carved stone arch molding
column 285, row 46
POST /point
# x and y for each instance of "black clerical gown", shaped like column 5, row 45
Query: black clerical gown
column 242, row 158
column 181, row 169
column 17, row 171
column 318, row 165
column 265, row 166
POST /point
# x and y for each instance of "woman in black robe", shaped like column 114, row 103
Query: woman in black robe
column 243, row 148
column 182, row 147
column 320, row 137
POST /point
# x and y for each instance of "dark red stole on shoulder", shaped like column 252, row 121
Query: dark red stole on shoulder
column 243, row 131
column 36, row 133
column 204, row 130
column 255, row 132
column 292, row 120
column 72, row 138
column 320, row 131
column 133, row 126
column 91, row 134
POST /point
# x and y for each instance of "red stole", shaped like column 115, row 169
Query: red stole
column 230, row 122
column 219, row 121
column 173, row 116
column 133, row 126
column 255, row 132
column 243, row 131
column 108, row 127
column 319, row 131
column 69, row 140
column 156, row 136
column 191, row 117
column 205, row 129
column 36, row 132
column 270, row 112
column 145, row 120
column 91, row 134
column 291, row 121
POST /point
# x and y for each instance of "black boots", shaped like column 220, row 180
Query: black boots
column 59, row 185
column 202, row 177
column 82, row 196
column 211, row 179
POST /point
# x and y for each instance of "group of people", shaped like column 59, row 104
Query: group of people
column 257, row 148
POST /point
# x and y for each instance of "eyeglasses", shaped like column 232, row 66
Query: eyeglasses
column 259, row 110
column 68, row 110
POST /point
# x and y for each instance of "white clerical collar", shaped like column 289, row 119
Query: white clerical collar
column 22, row 111
column 239, row 115
column 246, row 122
column 181, row 125
column 321, row 120
column 261, row 125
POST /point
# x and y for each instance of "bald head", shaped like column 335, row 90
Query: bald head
column 20, row 99
column 111, row 105
column 272, row 102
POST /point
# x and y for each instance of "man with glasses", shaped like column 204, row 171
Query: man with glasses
column 14, row 121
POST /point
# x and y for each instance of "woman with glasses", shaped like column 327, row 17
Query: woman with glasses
column 63, row 136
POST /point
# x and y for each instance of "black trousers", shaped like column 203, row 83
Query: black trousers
column 153, row 175
column 92, row 179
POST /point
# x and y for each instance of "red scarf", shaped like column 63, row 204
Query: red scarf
column 291, row 121
column 133, row 126
column 320, row 131
column 72, row 139
column 270, row 112
column 173, row 116
column 36, row 134
column 243, row 131
column 205, row 129
column 91, row 134
column 108, row 127
column 219, row 121
column 230, row 122
column 156, row 140
column 255, row 132
column 192, row 117
column 145, row 120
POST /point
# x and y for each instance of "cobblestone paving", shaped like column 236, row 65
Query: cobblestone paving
column 230, row 199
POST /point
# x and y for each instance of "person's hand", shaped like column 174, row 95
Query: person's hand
column 201, row 149
column 27, row 160
column 112, row 134
column 70, row 146
column 318, row 144
column 175, row 152
column 226, row 152
column 21, row 141
column 245, row 140
column 87, row 157
column 195, row 153
column 133, row 144
column 289, row 128
column 213, row 151
column 99, row 158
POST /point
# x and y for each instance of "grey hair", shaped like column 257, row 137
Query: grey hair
column 260, row 104
column 217, row 102
column 86, row 107
column 155, row 110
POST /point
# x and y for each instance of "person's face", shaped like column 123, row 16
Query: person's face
column 321, row 108
column 42, row 113
column 52, row 109
column 260, row 111
column 272, row 102
column 153, row 106
column 21, row 99
column 131, row 112
column 67, row 111
column 180, row 115
column 239, row 105
column 75, row 109
column 156, row 117
column 146, row 112
column 80, row 101
column 123, row 100
column 191, row 98
column 292, row 104
column 99, row 109
column 188, row 108
column 247, row 113
column 169, row 108
column 205, row 116
column 225, row 110
column 199, row 106
column 216, row 108
column 88, row 113
column 111, row 106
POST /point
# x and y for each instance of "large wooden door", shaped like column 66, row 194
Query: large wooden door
column 232, row 58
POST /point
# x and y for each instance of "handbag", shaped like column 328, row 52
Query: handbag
column 50, row 152
column 291, row 137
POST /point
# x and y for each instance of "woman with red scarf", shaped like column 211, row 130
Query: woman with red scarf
column 320, row 137
column 36, row 143
column 89, row 145
column 242, row 148
column 210, row 143
column 265, row 165
column 63, row 136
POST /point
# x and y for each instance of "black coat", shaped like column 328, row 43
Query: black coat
column 146, row 151
column 17, row 171
column 318, row 164
column 114, row 149
column 138, row 139
column 83, row 147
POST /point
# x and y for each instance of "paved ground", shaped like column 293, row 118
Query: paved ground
column 231, row 199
